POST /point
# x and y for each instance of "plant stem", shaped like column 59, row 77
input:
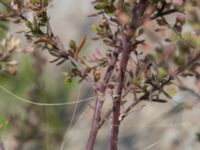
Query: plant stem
column 99, row 102
column 117, row 98
column 136, row 21
column 94, row 128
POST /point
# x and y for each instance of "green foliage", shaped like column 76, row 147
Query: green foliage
column 105, row 6
column 146, row 53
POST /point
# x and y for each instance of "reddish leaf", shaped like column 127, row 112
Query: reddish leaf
column 80, row 46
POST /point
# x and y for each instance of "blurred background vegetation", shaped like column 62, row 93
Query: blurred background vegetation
column 25, row 126
column 28, row 127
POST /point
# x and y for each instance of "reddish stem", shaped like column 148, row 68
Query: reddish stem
column 137, row 12
column 99, row 103
column 117, row 98
column 94, row 128
column 136, row 21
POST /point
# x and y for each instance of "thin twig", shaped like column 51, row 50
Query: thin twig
column 164, row 13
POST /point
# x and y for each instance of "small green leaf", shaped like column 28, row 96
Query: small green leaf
column 109, row 9
column 171, row 91
column 151, row 58
column 100, row 5
column 161, row 72
column 72, row 44
column 94, row 28
column 29, row 25
column 179, row 60
column 49, row 46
